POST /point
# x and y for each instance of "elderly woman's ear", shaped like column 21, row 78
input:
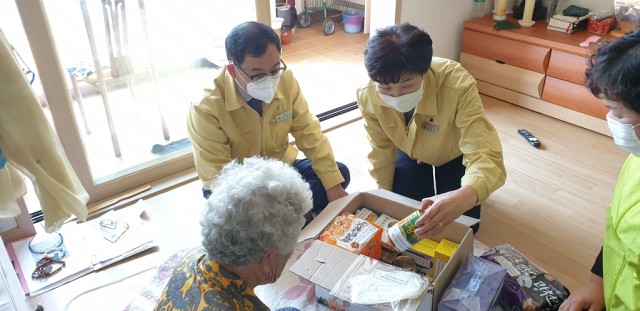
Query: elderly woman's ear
column 273, row 263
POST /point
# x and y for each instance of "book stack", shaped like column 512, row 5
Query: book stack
column 568, row 24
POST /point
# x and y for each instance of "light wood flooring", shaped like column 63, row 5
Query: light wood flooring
column 553, row 205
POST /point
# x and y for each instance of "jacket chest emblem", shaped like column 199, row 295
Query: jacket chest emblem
column 283, row 116
column 430, row 127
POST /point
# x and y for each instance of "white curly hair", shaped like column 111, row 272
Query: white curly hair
column 254, row 206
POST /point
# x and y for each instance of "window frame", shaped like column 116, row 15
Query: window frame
column 60, row 103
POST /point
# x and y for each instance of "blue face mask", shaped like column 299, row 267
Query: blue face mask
column 624, row 135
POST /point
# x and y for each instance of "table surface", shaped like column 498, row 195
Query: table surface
column 173, row 218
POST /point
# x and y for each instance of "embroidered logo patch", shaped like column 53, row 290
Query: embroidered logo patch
column 284, row 116
column 430, row 128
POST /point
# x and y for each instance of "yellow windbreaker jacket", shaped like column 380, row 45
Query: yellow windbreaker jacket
column 448, row 121
column 30, row 144
column 223, row 127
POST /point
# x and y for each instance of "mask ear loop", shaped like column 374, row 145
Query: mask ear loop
column 234, row 74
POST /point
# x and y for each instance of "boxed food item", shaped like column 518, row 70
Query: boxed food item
column 424, row 255
column 444, row 251
column 601, row 26
column 526, row 287
column 475, row 286
column 383, row 220
column 326, row 264
column 354, row 234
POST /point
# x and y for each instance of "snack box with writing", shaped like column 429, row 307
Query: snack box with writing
column 424, row 254
column 444, row 251
column 324, row 266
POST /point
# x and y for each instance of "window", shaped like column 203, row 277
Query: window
column 116, row 79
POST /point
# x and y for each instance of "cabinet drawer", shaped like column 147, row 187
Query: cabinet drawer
column 568, row 67
column 507, row 76
column 573, row 96
column 510, row 52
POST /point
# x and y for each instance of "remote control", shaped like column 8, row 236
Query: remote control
column 529, row 137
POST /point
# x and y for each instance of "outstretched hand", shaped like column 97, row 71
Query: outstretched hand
column 443, row 209
column 591, row 297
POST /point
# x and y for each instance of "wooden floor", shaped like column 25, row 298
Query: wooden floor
column 553, row 205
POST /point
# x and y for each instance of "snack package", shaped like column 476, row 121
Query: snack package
column 526, row 287
column 367, row 214
column 475, row 286
column 354, row 234
column 383, row 220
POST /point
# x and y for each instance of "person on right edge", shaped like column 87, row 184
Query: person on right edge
column 430, row 138
column 613, row 75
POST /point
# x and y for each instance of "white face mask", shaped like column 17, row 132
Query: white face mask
column 263, row 89
column 405, row 102
column 624, row 135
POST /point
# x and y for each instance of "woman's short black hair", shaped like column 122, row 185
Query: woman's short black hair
column 614, row 71
column 250, row 38
column 395, row 50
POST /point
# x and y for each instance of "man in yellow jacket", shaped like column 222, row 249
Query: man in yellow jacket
column 430, row 138
column 254, row 105
column 612, row 75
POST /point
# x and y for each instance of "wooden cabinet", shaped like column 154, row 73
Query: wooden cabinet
column 536, row 68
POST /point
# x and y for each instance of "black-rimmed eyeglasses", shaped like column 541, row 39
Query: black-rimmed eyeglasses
column 275, row 73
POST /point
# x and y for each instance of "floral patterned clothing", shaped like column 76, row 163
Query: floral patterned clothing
column 198, row 283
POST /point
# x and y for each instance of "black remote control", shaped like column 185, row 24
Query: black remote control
column 529, row 137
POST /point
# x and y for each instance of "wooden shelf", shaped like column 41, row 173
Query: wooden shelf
column 539, row 35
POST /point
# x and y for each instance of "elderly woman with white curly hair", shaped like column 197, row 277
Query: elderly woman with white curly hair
column 250, row 228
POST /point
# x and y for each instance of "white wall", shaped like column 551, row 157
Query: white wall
column 442, row 19
column 382, row 14
column 592, row 5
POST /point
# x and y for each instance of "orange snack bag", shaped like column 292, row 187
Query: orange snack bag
column 355, row 235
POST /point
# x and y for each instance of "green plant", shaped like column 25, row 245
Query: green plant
column 505, row 25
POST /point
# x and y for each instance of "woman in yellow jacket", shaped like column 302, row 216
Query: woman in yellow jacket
column 425, row 121
column 614, row 75
column 254, row 105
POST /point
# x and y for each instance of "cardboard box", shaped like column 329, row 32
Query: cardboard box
column 324, row 264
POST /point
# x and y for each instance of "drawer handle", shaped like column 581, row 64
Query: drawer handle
column 500, row 62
